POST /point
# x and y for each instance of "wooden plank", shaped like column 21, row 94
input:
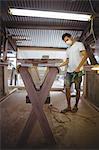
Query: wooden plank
column 1, row 81
column 48, row 82
column 92, row 86
column 5, row 48
column 3, row 64
column 90, row 55
column 27, row 129
column 6, row 80
column 6, row 96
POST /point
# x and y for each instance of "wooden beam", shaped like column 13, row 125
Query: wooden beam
column 90, row 54
column 85, row 33
column 40, row 48
column 12, row 43
column 1, row 81
column 4, row 65
column 85, row 38
column 5, row 44
column 31, row 25
column 92, row 87
column 5, row 49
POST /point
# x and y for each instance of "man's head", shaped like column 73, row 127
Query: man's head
column 68, row 39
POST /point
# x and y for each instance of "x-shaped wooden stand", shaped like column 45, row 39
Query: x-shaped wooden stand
column 37, row 98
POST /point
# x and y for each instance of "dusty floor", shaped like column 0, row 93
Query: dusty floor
column 75, row 131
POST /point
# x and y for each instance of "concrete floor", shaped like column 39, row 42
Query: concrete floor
column 75, row 131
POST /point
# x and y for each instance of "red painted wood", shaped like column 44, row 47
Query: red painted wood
column 37, row 99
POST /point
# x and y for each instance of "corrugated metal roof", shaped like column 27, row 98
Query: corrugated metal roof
column 31, row 23
column 52, row 5
column 63, row 5
column 41, row 38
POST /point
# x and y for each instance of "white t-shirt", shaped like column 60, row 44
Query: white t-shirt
column 74, row 56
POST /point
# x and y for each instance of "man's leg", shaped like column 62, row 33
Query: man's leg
column 77, row 97
column 68, row 92
column 77, row 87
column 68, row 96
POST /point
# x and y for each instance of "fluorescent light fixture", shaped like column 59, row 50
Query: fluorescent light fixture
column 49, row 14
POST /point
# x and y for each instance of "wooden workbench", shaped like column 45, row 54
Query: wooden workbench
column 91, row 88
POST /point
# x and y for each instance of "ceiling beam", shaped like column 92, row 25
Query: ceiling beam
column 12, row 43
column 85, row 33
column 41, row 48
column 87, row 39
column 90, row 54
column 24, row 25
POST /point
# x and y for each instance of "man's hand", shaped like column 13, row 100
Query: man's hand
column 61, row 65
column 77, row 70
column 64, row 63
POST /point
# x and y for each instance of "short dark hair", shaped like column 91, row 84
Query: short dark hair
column 66, row 34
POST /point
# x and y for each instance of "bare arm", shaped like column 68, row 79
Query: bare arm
column 84, row 58
column 64, row 63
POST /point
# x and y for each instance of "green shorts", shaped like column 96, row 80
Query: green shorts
column 73, row 78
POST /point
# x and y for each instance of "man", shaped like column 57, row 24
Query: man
column 75, row 59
